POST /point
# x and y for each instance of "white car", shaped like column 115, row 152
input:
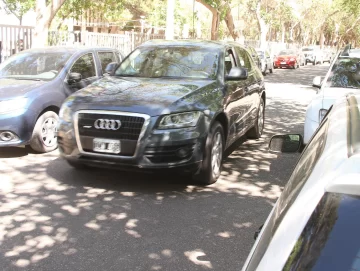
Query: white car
column 267, row 62
column 316, row 220
column 343, row 77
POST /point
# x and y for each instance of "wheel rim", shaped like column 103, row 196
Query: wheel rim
column 216, row 154
column 261, row 118
column 48, row 132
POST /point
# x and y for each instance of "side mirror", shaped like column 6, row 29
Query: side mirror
column 111, row 68
column 317, row 82
column 74, row 77
column 237, row 73
column 286, row 143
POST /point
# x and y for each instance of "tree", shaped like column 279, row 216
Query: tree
column 220, row 10
column 45, row 13
column 18, row 7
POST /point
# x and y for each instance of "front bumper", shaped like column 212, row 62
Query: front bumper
column 284, row 64
column 19, row 122
column 175, row 149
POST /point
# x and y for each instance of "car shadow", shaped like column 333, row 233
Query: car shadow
column 12, row 152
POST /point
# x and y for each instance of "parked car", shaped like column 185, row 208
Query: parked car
column 169, row 105
column 327, row 56
column 287, row 59
column 313, row 55
column 343, row 77
column 314, row 222
column 255, row 56
column 267, row 63
column 301, row 58
column 33, row 85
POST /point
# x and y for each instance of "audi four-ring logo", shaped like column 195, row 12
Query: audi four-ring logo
column 106, row 124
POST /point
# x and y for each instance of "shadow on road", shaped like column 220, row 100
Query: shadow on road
column 11, row 152
column 54, row 216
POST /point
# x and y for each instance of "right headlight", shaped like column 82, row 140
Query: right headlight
column 180, row 120
column 65, row 113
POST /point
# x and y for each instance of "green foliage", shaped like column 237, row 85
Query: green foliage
column 18, row 7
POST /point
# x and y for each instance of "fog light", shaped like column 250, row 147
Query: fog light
column 7, row 136
column 183, row 152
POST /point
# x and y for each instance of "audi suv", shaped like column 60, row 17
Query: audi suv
column 168, row 105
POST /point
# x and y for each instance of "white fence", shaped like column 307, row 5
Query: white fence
column 14, row 39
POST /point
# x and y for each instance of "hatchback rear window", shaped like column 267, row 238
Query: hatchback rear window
column 330, row 240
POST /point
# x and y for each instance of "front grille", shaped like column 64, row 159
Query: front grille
column 128, row 133
column 169, row 154
column 130, row 126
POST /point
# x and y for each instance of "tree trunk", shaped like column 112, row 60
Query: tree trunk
column 44, row 16
column 230, row 23
column 283, row 32
column 263, row 27
column 215, row 25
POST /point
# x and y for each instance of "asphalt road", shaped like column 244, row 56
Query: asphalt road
column 53, row 217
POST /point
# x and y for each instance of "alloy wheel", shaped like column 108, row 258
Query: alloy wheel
column 48, row 132
column 216, row 154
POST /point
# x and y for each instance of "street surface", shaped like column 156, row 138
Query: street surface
column 53, row 217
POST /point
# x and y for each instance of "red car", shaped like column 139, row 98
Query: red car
column 286, row 59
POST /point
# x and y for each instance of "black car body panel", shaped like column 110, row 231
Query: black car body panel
column 126, row 99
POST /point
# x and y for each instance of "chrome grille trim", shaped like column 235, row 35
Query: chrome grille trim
column 117, row 113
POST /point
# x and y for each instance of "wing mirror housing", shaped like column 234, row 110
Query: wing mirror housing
column 74, row 78
column 237, row 73
column 289, row 143
column 317, row 82
column 111, row 68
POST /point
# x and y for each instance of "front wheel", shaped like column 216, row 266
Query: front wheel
column 44, row 137
column 211, row 166
column 256, row 131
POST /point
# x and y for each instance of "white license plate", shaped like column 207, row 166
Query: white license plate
column 106, row 145
column 283, row 63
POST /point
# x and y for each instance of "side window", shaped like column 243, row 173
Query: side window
column 245, row 60
column 301, row 173
column 229, row 61
column 85, row 66
column 106, row 58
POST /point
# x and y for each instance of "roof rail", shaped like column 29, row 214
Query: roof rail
column 353, row 125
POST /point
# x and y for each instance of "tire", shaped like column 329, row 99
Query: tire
column 271, row 70
column 314, row 63
column 43, row 138
column 264, row 72
column 210, row 169
column 256, row 131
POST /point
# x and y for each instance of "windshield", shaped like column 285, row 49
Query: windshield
column 287, row 52
column 179, row 62
column 345, row 74
column 330, row 240
column 34, row 65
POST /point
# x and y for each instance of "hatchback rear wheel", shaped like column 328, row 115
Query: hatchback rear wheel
column 256, row 131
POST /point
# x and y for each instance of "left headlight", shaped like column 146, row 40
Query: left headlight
column 181, row 120
column 11, row 105
column 65, row 113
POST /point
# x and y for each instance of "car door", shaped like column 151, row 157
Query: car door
column 254, row 83
column 236, row 102
column 84, row 65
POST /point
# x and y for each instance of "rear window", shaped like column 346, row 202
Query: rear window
column 330, row 240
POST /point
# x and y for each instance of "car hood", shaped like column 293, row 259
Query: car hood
column 12, row 88
column 287, row 56
column 140, row 95
column 329, row 94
